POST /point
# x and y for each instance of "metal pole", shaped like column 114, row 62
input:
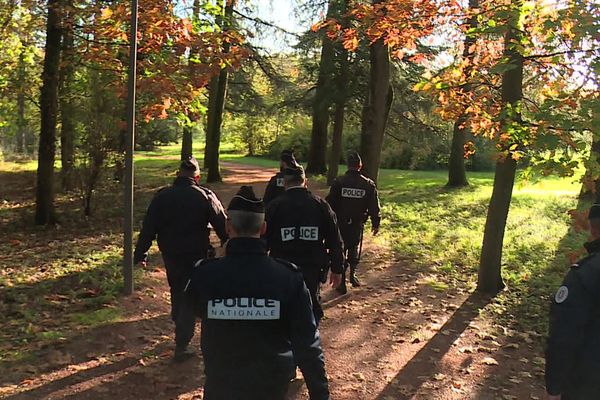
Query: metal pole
column 129, row 143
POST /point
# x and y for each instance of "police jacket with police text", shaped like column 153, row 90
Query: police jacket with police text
column 302, row 228
column 255, row 312
column 275, row 188
column 353, row 197
column 178, row 217
column 573, row 348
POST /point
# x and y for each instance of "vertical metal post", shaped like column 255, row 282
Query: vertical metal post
column 129, row 145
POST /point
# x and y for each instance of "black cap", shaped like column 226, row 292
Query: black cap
column 246, row 200
column 294, row 171
column 594, row 211
column 190, row 164
column 354, row 159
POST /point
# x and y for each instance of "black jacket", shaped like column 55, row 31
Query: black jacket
column 302, row 228
column 274, row 189
column 354, row 197
column 573, row 348
column 179, row 216
column 255, row 312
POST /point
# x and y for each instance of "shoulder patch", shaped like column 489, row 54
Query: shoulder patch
column 288, row 264
column 561, row 294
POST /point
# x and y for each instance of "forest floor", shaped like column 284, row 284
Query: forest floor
column 407, row 333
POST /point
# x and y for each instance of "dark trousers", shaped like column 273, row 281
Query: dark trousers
column 178, row 272
column 351, row 234
column 228, row 391
column 312, row 275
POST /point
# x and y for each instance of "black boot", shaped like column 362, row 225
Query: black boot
column 182, row 353
column 353, row 278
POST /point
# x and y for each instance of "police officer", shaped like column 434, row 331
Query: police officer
column 302, row 228
column 256, row 315
column 354, row 198
column 178, row 217
column 573, row 348
column 275, row 187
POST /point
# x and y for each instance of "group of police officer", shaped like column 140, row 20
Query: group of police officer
column 259, row 304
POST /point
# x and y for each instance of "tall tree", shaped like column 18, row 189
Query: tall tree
column 376, row 108
column 216, row 104
column 67, row 108
column 21, row 118
column 457, row 175
column 322, row 103
column 490, row 278
column 44, row 212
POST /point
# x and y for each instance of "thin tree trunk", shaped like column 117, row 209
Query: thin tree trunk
column 457, row 175
column 216, row 105
column 186, row 142
column 67, row 132
column 376, row 109
column 336, row 143
column 490, row 278
column 320, row 110
column 21, row 121
column 44, row 213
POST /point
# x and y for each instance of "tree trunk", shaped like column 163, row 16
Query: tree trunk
column 591, row 186
column 336, row 143
column 316, row 162
column 457, row 175
column 21, row 120
column 44, row 213
column 66, row 90
column 490, row 279
column 216, row 105
column 376, row 109
column 186, row 142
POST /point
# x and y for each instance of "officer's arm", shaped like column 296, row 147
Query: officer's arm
column 568, row 317
column 306, row 343
column 217, row 217
column 374, row 209
column 270, row 191
column 333, row 198
column 333, row 241
column 148, row 232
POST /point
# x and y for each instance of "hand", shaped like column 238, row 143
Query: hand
column 335, row 279
column 553, row 396
column 375, row 231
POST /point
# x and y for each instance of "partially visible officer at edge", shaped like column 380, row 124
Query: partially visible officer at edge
column 275, row 186
column 178, row 218
column 573, row 349
column 302, row 228
column 354, row 199
column 257, row 319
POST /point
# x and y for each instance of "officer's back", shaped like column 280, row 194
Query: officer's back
column 254, row 311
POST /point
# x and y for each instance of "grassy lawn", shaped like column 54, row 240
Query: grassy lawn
column 74, row 272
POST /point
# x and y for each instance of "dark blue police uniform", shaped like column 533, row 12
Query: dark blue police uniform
column 257, row 324
column 573, row 348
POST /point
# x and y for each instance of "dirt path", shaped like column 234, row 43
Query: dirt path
column 394, row 338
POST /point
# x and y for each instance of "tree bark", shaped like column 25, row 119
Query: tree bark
column 490, row 278
column 21, row 120
column 376, row 109
column 186, row 142
column 216, row 105
column 336, row 143
column 44, row 213
column 316, row 160
column 67, row 117
column 457, row 175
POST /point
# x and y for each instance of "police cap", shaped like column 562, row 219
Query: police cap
column 594, row 211
column 246, row 200
column 190, row 164
column 294, row 172
column 354, row 159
